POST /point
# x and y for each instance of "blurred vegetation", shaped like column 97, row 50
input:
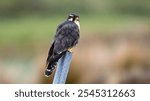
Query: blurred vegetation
column 28, row 26
column 22, row 14
column 11, row 8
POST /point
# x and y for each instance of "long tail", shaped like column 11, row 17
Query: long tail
column 52, row 63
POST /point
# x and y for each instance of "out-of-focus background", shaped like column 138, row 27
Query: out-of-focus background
column 114, row 45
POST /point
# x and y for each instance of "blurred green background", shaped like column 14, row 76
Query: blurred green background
column 114, row 46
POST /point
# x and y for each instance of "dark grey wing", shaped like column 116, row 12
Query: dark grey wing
column 50, row 53
column 59, row 27
column 66, row 37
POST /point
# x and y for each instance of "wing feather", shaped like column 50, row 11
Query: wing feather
column 66, row 37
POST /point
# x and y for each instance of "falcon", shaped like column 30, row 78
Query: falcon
column 66, row 37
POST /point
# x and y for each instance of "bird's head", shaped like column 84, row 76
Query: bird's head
column 74, row 18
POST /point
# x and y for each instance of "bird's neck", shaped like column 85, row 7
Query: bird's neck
column 77, row 23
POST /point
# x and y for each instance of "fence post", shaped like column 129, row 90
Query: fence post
column 62, row 69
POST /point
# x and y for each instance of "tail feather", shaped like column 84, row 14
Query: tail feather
column 49, row 70
column 52, row 63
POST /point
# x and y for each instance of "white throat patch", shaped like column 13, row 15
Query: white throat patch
column 77, row 23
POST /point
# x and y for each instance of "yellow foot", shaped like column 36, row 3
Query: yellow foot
column 70, row 50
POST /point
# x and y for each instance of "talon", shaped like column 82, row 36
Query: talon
column 70, row 50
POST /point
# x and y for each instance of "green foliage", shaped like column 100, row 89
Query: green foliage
column 9, row 8
column 27, row 29
column 35, row 28
column 28, row 21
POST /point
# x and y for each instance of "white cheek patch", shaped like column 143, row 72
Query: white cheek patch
column 70, row 19
column 77, row 23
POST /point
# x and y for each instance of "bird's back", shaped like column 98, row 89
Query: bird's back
column 67, row 36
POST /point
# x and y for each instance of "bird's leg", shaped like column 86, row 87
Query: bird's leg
column 70, row 50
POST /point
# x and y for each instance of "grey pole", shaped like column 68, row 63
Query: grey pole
column 62, row 69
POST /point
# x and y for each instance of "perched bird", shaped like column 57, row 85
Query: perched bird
column 66, row 37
